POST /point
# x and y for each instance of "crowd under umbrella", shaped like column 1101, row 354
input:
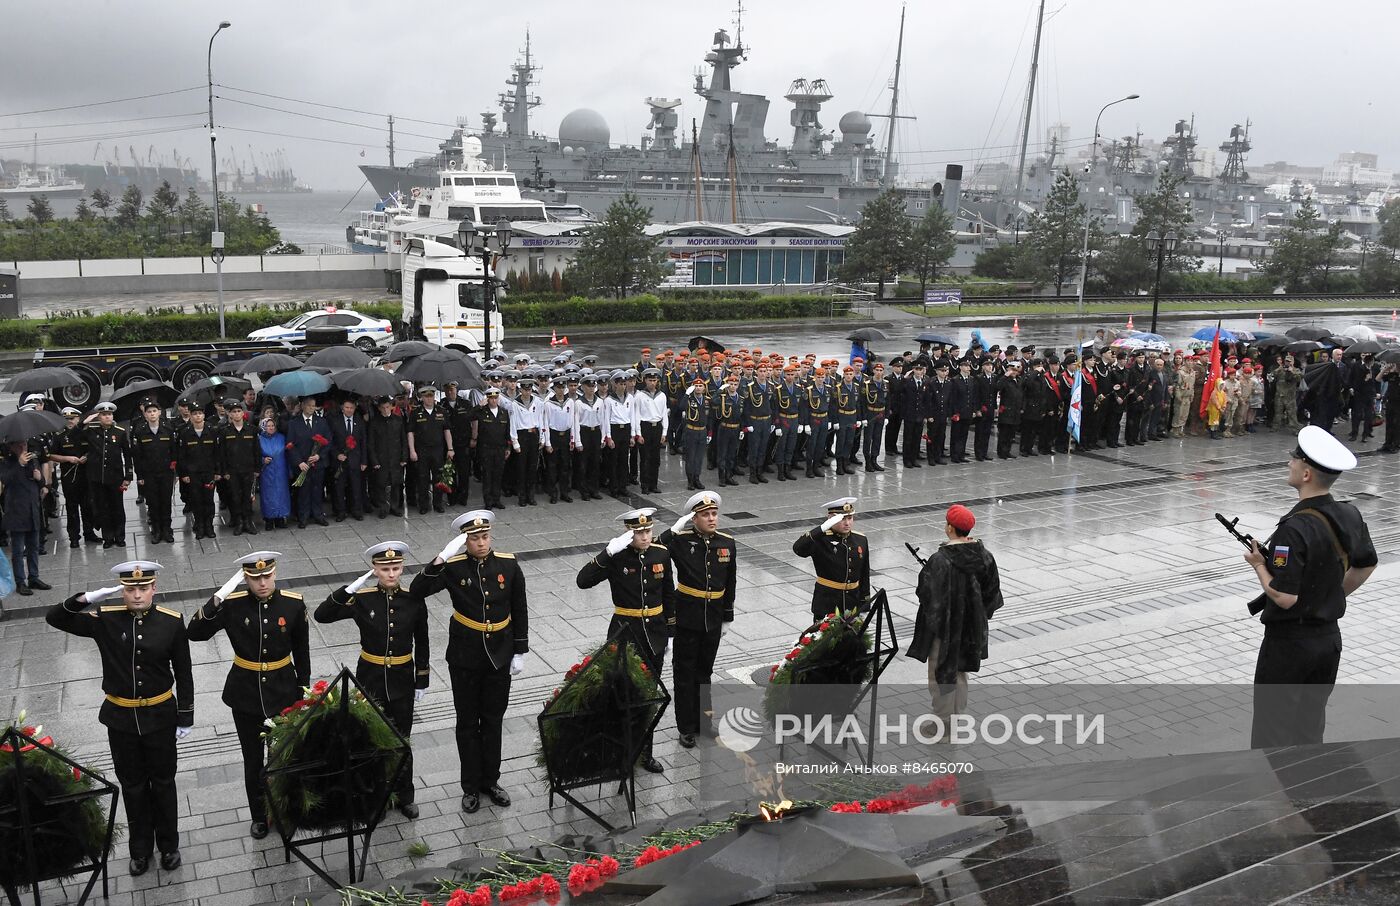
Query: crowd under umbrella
column 866, row 334
column 43, row 379
column 268, row 363
column 708, row 344
column 1303, row 347
column 1143, row 340
column 201, row 393
column 1389, row 356
column 370, row 382
column 1308, row 333
column 407, row 349
column 297, row 383
column 129, row 397
column 1207, row 335
column 1273, row 343
column 439, row 367
column 1365, row 347
column 28, row 424
column 338, row 357
column 928, row 336
column 1339, row 342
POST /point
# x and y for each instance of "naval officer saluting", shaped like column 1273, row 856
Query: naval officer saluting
column 268, row 630
column 487, row 641
column 149, row 700
column 393, row 663
column 841, row 558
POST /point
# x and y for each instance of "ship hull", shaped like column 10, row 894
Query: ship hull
column 49, row 192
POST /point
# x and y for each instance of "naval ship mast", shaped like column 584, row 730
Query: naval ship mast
column 887, row 177
column 1026, row 123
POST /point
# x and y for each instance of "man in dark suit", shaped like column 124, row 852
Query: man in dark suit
column 309, row 459
column 348, row 445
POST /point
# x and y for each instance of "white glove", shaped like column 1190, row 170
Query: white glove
column 102, row 594
column 453, row 548
column 668, row 647
column 690, row 391
column 748, row 429
column 777, row 432
column 806, row 429
column 362, row 581
column 618, row 544
column 182, row 732
column 830, row 521
column 517, row 664
column 418, row 694
column 227, row 588
column 860, row 424
column 682, row 522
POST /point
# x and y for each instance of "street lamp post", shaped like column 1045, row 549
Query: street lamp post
column 216, row 239
column 1088, row 220
column 1162, row 245
column 1221, row 240
column 485, row 241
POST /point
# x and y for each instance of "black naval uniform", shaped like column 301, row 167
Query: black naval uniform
column 388, row 451
column 1308, row 554
column 108, row 468
column 197, row 460
column 154, row 456
column 644, row 599
column 271, row 666
column 149, row 690
column 240, row 461
column 843, row 570
column 73, row 480
column 490, row 624
column 705, row 581
column 430, row 445
column 394, row 653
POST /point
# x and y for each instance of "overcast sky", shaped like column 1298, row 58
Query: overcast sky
column 1310, row 76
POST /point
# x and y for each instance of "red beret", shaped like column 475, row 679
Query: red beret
column 961, row 518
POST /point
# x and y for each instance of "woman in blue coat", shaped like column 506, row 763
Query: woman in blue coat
column 274, row 495
column 23, row 490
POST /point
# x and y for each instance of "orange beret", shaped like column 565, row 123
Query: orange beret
column 646, row 350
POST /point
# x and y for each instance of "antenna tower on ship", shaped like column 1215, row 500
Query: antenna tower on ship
column 1235, row 149
column 517, row 103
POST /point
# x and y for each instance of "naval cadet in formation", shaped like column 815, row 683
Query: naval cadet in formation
column 639, row 575
column 268, row 630
column 393, row 665
column 148, row 700
column 841, row 558
column 486, row 645
column 705, row 561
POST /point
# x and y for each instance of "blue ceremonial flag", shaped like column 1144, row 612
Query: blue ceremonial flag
column 1076, row 406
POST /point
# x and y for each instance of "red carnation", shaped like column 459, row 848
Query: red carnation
column 824, row 626
column 320, row 440
column 289, row 446
column 479, row 897
column 549, row 885
column 608, row 867
column 351, row 443
column 320, row 687
column 790, row 655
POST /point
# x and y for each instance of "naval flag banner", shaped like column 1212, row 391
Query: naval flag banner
column 1213, row 377
column 1076, row 405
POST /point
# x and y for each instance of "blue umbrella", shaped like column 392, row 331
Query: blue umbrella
column 297, row 383
column 1208, row 334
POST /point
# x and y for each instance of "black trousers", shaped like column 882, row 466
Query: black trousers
column 1052, row 430
column 79, row 505
column 240, row 497
column 386, row 484
column 1030, row 431
column 937, row 430
column 462, row 466
column 493, row 469
column 1006, row 436
column 621, row 437
column 527, row 463
column 1392, row 431
column 558, row 465
column 145, row 767
column 399, row 711
column 1293, row 679
column 107, row 507
column 693, row 443
column 957, row 441
column 202, row 498
column 691, row 669
column 892, row 430
column 590, row 459
column 249, row 725
column 349, row 496
column 1134, row 427
column 426, row 476
column 982, row 436
column 913, row 439
column 157, row 491
column 873, row 438
column 650, row 454
column 480, row 698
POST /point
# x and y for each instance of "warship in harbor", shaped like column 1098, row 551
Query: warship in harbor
column 722, row 167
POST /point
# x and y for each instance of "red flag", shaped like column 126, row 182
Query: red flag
column 1213, row 377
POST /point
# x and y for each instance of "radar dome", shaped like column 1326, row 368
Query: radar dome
column 584, row 129
column 854, row 123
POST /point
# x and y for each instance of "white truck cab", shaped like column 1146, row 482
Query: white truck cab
column 444, row 298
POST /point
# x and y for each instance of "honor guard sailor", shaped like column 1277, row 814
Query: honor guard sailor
column 487, row 641
column 638, row 573
column 393, row 663
column 269, row 633
column 705, row 560
column 148, row 688
column 841, row 558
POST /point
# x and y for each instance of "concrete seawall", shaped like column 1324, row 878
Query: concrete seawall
column 168, row 275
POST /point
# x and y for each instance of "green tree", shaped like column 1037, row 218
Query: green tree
column 40, row 209
column 163, row 202
column 1328, row 244
column 1055, row 236
column 999, row 262
column 1297, row 251
column 5, row 215
column 129, row 209
column 102, row 200
column 194, row 213
column 617, row 256
column 931, row 245
column 1130, row 264
column 84, row 212
column 1389, row 218
column 879, row 247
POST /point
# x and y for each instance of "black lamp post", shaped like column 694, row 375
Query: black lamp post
column 485, row 241
column 1162, row 245
column 1220, row 239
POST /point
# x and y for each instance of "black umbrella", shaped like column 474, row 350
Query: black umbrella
column 929, row 336
column 370, row 382
column 440, row 366
column 1365, row 347
column 407, row 349
column 1308, row 333
column 1340, row 342
column 1303, row 347
column 130, row 396
column 1389, row 355
column 268, row 363
column 867, row 333
column 203, row 392
column 338, row 357
column 28, row 425
column 1273, row 343
column 43, row 379
column 706, row 343
column 228, row 368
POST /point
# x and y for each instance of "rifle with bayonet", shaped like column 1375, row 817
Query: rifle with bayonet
column 1249, row 543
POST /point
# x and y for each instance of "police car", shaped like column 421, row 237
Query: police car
column 364, row 331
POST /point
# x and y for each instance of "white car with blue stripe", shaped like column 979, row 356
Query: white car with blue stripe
column 364, row 331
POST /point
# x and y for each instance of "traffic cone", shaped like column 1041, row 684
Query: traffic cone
column 1392, row 314
column 1260, row 320
column 1015, row 326
column 1130, row 323
column 563, row 341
